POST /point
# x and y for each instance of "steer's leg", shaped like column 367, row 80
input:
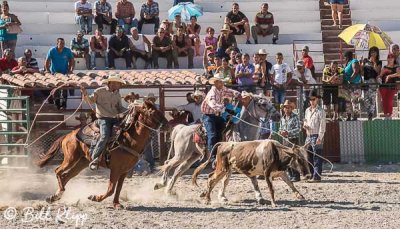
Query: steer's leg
column 167, row 168
column 225, row 180
column 283, row 175
column 212, row 181
column 270, row 187
column 257, row 192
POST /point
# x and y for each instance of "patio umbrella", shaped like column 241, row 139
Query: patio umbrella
column 186, row 9
column 365, row 36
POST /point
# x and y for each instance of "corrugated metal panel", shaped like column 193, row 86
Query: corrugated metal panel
column 351, row 142
column 332, row 142
column 381, row 138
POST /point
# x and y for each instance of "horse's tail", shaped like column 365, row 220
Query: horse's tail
column 201, row 167
column 50, row 153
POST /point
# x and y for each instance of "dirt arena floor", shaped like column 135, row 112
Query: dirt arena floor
column 352, row 196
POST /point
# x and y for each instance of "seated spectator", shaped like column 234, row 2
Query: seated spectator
column 238, row 22
column 84, row 16
column 244, row 74
column 308, row 61
column 176, row 24
column 210, row 40
column 7, row 40
column 208, row 64
column 125, row 14
column 98, row 48
column 227, row 72
column 182, row 47
column 281, row 75
column 389, row 75
column 118, row 47
column 303, row 76
column 149, row 15
column 80, row 48
column 30, row 61
column 264, row 25
column 166, row 25
column 103, row 12
column 226, row 42
column 8, row 62
column 193, row 30
column 195, row 107
column 22, row 68
column 176, row 2
column 138, row 43
column 332, row 77
column 161, row 46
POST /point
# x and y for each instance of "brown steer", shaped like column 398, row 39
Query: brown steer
column 254, row 158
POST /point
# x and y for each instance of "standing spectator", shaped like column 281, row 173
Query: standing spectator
column 210, row 40
column 308, row 61
column 118, row 47
column 182, row 47
column 304, row 77
column 209, row 65
column 162, row 46
column 332, row 77
column 149, row 15
column 195, row 107
column 281, row 75
column 84, row 16
column 103, row 12
column 266, row 67
column 138, row 43
column 212, row 107
column 98, row 47
column 394, row 49
column 238, row 22
column 8, row 62
column 352, row 78
column 315, row 124
column 264, row 25
column 30, row 61
column 226, row 42
column 176, row 2
column 337, row 11
column 232, row 58
column 7, row 40
column 80, row 48
column 244, row 74
column 60, row 60
column 193, row 30
column 290, row 129
column 387, row 91
column 371, row 69
column 22, row 68
column 258, row 71
column 176, row 24
column 227, row 72
column 125, row 14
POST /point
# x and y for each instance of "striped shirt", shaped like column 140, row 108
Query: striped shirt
column 290, row 124
column 79, row 46
column 32, row 63
column 213, row 103
column 315, row 119
column 149, row 10
column 264, row 20
column 102, row 8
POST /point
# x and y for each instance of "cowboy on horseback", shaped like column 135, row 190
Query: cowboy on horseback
column 108, row 110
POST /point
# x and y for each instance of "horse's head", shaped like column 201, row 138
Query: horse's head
column 263, row 107
column 153, row 117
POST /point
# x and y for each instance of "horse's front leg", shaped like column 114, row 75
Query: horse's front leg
column 114, row 176
column 116, row 203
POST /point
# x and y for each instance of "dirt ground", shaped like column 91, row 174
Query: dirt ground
column 352, row 196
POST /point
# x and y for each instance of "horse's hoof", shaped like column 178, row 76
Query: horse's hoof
column 158, row 186
column 262, row 201
column 118, row 206
column 92, row 198
column 299, row 196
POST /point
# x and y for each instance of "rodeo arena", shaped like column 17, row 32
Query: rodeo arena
column 199, row 114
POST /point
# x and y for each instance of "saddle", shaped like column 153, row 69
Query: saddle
column 200, row 135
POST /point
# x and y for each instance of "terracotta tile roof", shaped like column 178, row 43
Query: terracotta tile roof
column 95, row 79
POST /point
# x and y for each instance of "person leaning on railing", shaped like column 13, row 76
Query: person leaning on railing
column 352, row 78
column 390, row 74
column 332, row 77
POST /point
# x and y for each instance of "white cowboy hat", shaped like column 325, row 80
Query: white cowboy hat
column 262, row 52
column 216, row 77
column 246, row 94
column 198, row 93
column 114, row 78
column 226, row 28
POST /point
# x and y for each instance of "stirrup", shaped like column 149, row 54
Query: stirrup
column 94, row 165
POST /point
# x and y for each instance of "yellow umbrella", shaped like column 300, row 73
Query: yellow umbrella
column 365, row 36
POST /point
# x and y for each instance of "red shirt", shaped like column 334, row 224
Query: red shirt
column 5, row 65
column 308, row 62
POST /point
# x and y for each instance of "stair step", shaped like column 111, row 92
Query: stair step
column 329, row 16
column 331, row 39
column 329, row 21
column 334, row 28
column 329, row 11
column 335, row 44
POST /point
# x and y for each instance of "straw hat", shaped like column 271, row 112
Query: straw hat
column 197, row 93
column 288, row 104
column 216, row 77
column 114, row 78
column 262, row 52
column 226, row 28
column 246, row 94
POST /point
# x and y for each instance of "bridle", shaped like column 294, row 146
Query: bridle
column 255, row 103
column 143, row 120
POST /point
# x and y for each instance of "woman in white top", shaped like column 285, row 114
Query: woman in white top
column 137, row 44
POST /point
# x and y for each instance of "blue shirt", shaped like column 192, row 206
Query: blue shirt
column 237, row 111
column 59, row 61
column 4, row 36
column 348, row 71
column 244, row 80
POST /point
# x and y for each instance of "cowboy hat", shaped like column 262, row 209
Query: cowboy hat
column 300, row 63
column 226, row 28
column 216, row 77
column 288, row 104
column 150, row 96
column 114, row 78
column 197, row 93
column 262, row 52
column 246, row 94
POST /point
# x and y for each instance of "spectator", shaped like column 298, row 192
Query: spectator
column 103, row 12
column 281, row 75
column 266, row 67
column 209, row 64
column 118, row 47
column 244, row 74
column 98, row 47
column 162, row 46
column 264, row 25
column 8, row 62
column 303, row 77
column 258, row 72
column 149, row 15
column 166, row 25
column 80, row 48
column 337, row 11
column 227, row 72
column 176, row 24
column 315, row 125
column 308, row 61
column 182, row 47
column 210, row 40
column 30, row 61
column 83, row 120
column 226, row 42
column 125, row 14
column 387, row 89
column 371, row 69
column 332, row 76
column 193, row 30
column 238, row 22
column 394, row 49
column 176, row 2
column 22, row 68
column 84, row 16
column 232, row 58
column 7, row 40
column 352, row 78
column 290, row 129
column 195, row 107
column 60, row 60
column 138, row 43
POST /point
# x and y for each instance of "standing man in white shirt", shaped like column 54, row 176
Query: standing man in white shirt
column 84, row 15
column 281, row 75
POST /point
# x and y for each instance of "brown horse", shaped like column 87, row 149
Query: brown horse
column 138, row 122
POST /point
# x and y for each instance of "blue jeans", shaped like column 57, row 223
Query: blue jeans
column 314, row 159
column 93, row 56
column 127, row 27
column 214, row 126
column 279, row 95
column 106, row 126
column 85, row 21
